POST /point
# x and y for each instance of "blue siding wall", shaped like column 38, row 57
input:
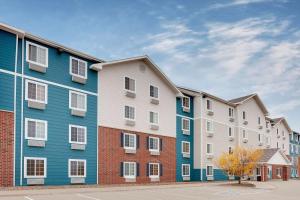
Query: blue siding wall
column 7, row 50
column 181, row 137
column 6, row 92
column 219, row 175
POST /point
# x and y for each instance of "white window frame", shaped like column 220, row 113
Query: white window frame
column 279, row 170
column 70, row 100
column 243, row 115
column 127, row 147
column 211, row 105
column 154, row 176
column 35, row 138
column 135, row 170
column 78, row 60
column 211, row 170
column 185, row 142
column 189, row 122
column 70, row 135
column 27, row 81
column 232, row 114
column 150, row 117
column 246, row 134
column 69, row 168
column 212, row 126
column 232, row 131
column 185, row 175
column 134, row 91
column 35, row 158
column 230, row 147
column 189, row 102
column 212, row 149
column 134, row 113
column 157, row 91
column 39, row 46
column 260, row 137
column 158, row 144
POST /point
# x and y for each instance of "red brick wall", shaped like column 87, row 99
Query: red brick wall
column 264, row 171
column 6, row 148
column 274, row 176
column 111, row 154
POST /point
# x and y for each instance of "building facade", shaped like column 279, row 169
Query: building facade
column 49, row 105
column 295, row 154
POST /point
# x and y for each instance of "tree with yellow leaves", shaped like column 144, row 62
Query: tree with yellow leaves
column 240, row 162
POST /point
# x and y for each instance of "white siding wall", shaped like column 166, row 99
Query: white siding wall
column 112, row 99
column 281, row 140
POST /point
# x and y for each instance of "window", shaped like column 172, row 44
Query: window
column 77, row 134
column 208, row 104
column 209, row 126
column 230, row 131
column 129, row 141
column 77, row 101
column 277, row 132
column 283, row 146
column 278, row 172
column 258, row 120
column 35, row 167
column 153, row 117
column 185, row 124
column 259, row 137
column 78, row 67
column 185, row 146
column 209, row 170
column 153, row 92
column 36, row 54
column 230, row 112
column 129, row 169
column 185, row 169
column 258, row 171
column 244, row 115
column 267, row 124
column 36, row 91
column 154, row 170
column 245, row 136
column 129, row 84
column 283, row 134
column 154, row 143
column 277, row 145
column 268, row 140
column 129, row 112
column 209, row 148
column 186, row 102
column 77, row 168
column 230, row 150
column 35, row 129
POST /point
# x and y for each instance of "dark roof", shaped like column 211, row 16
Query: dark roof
column 276, row 120
column 268, row 154
column 240, row 99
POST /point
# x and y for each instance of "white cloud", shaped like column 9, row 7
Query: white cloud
column 242, row 2
column 283, row 108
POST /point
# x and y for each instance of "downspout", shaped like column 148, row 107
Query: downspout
column 201, row 138
column 15, row 109
column 22, row 115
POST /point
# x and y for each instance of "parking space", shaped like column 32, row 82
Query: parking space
column 277, row 190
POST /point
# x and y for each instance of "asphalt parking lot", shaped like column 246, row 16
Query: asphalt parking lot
column 277, row 190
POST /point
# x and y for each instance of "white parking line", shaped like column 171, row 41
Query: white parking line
column 28, row 198
column 87, row 197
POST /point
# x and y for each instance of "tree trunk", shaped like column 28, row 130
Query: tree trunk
column 240, row 180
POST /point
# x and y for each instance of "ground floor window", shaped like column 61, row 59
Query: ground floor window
column 77, row 168
column 278, row 172
column 154, row 170
column 129, row 169
column 185, row 169
column 209, row 170
column 35, row 167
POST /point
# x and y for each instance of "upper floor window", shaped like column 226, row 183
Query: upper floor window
column 208, row 104
column 129, row 84
column 277, row 131
column 185, row 169
column 153, row 117
column 209, row 148
column 129, row 141
column 230, row 131
column 36, row 54
column 259, row 137
column 77, row 134
column 283, row 134
column 230, row 150
column 129, row 112
column 35, row 167
column 185, row 124
column 154, row 144
column 267, row 124
column 77, row 101
column 209, row 126
column 186, row 102
column 230, row 112
column 129, row 169
column 258, row 120
column 77, row 168
column 185, row 147
column 245, row 135
column 153, row 91
column 78, row 67
column 244, row 115
column 36, row 92
column 35, row 129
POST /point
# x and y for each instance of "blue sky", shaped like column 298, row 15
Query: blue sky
column 229, row 48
